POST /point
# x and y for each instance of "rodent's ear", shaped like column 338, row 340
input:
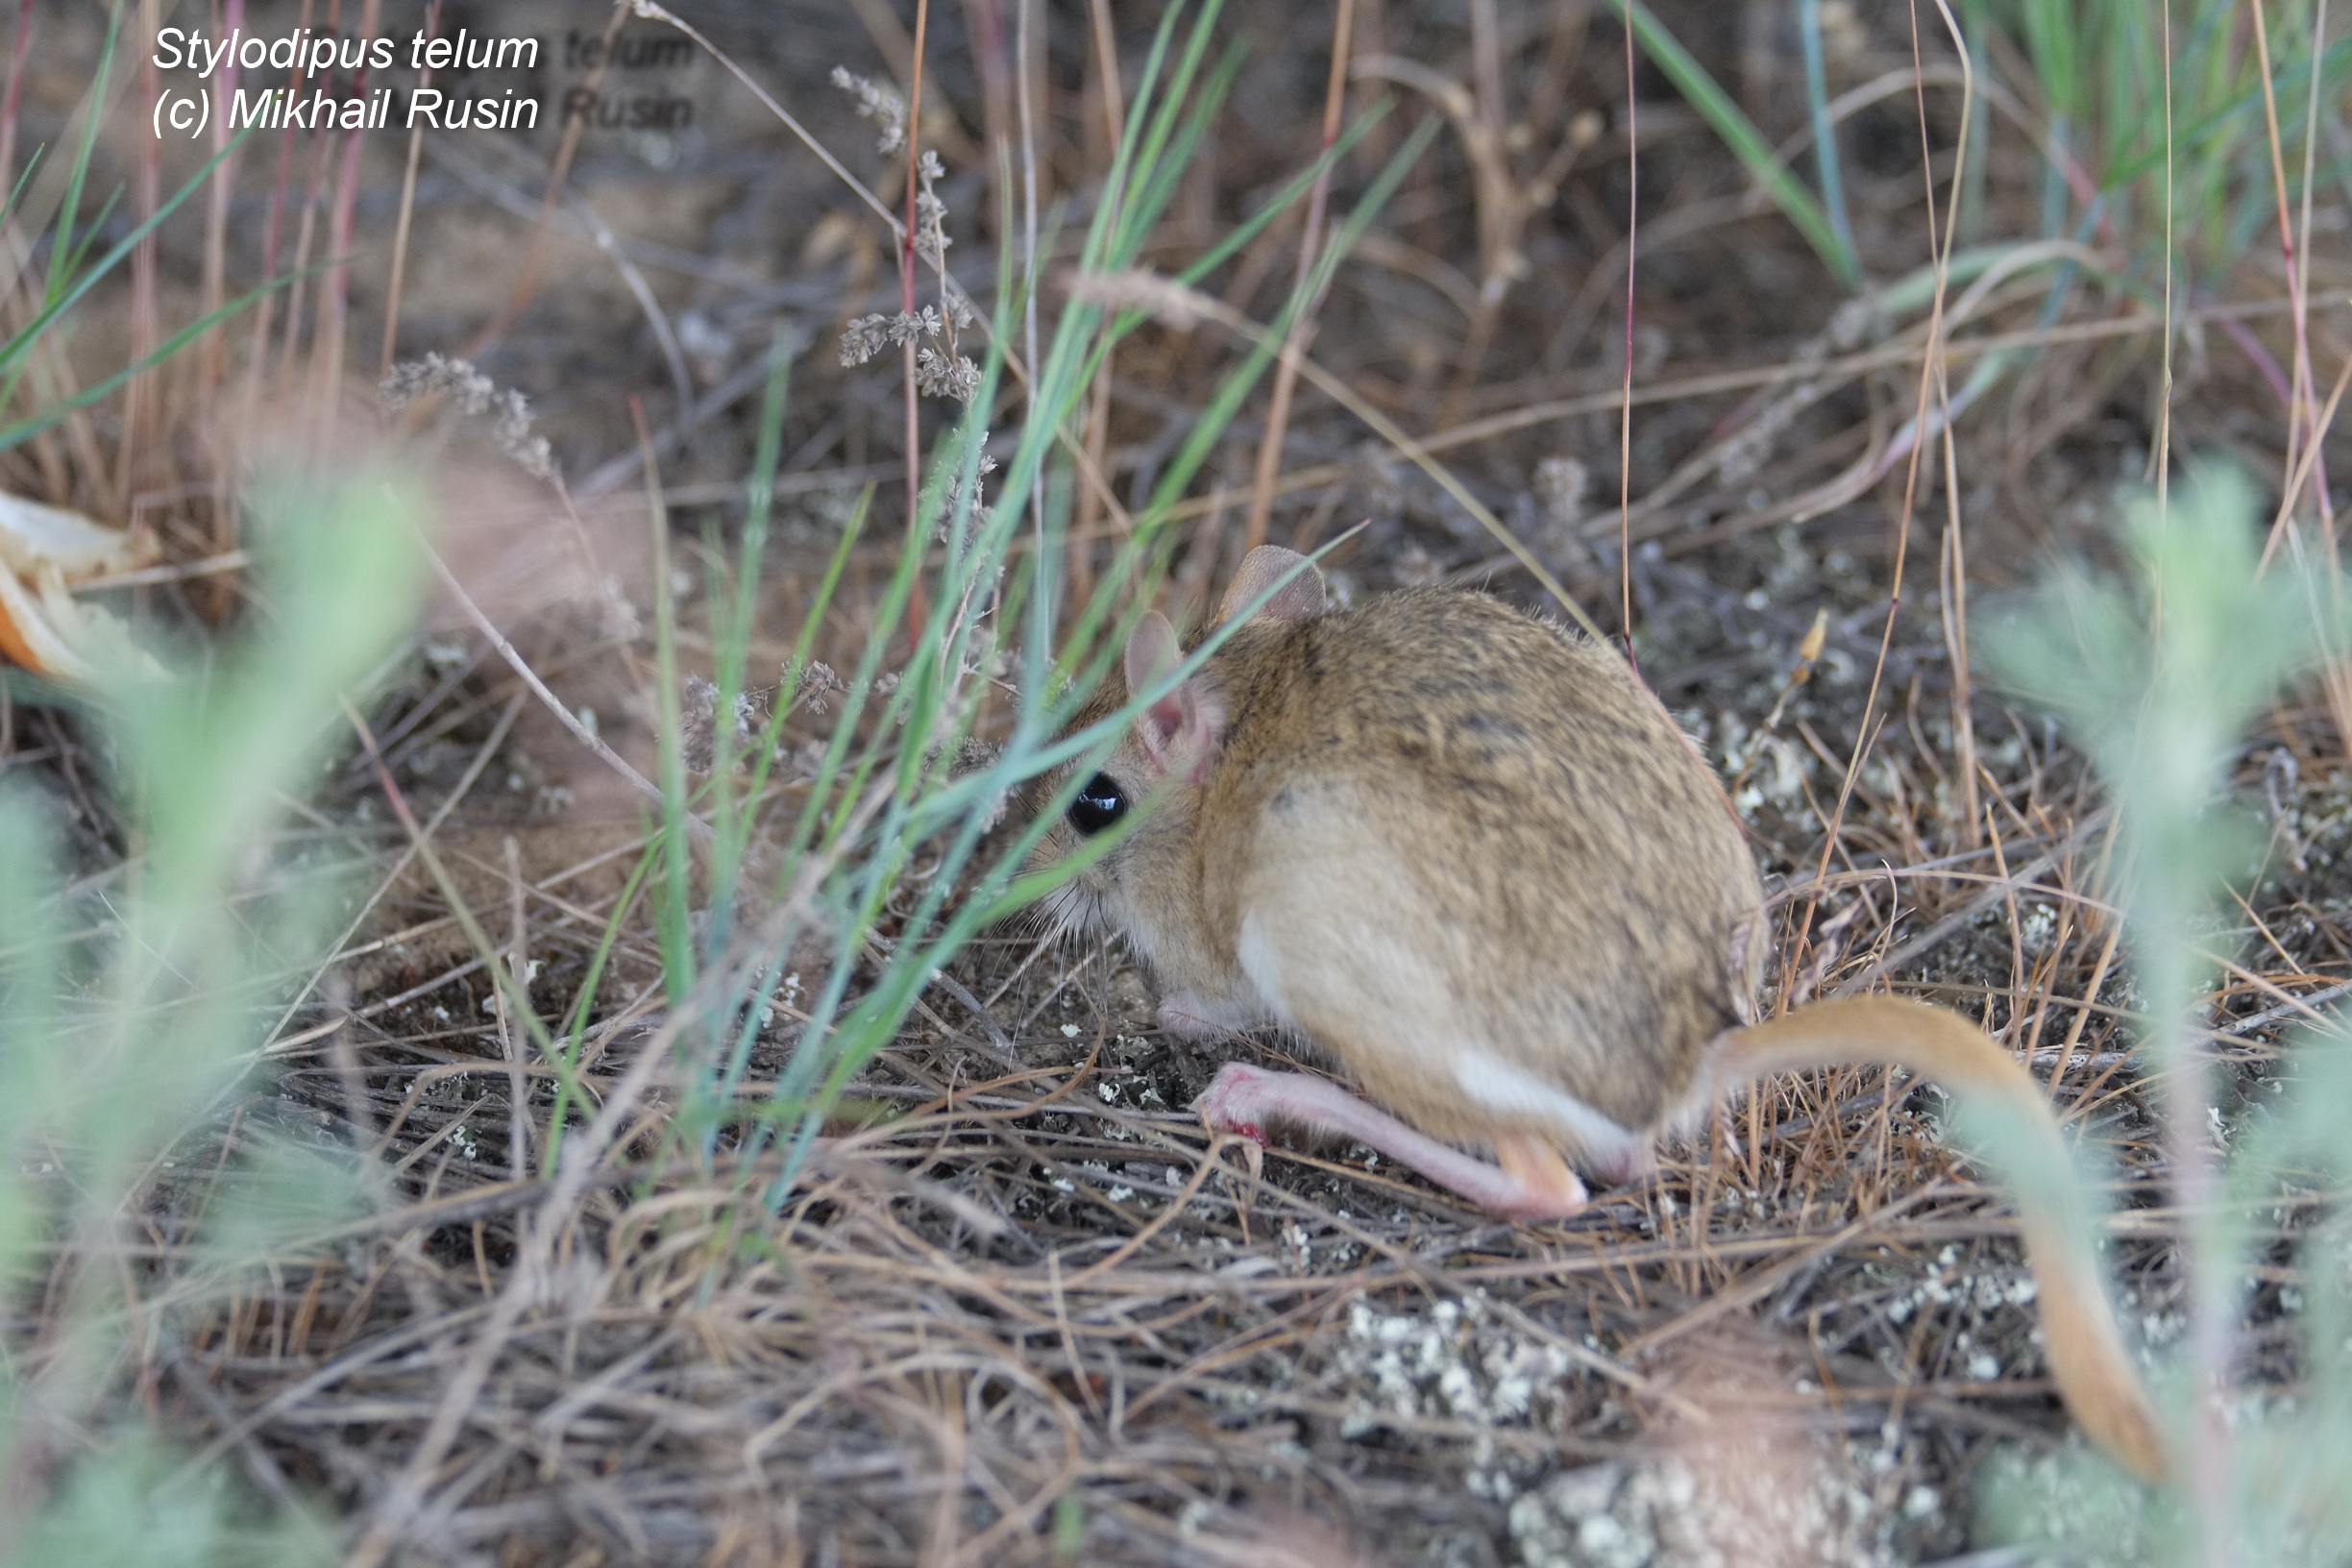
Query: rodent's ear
column 1152, row 651
column 1301, row 599
column 1181, row 731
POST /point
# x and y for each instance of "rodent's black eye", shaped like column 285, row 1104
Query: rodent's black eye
column 1099, row 804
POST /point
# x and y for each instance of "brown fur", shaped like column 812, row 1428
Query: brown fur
column 1426, row 764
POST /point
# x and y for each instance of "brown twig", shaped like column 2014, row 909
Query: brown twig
column 407, row 210
column 695, row 826
column 526, row 281
column 1302, row 321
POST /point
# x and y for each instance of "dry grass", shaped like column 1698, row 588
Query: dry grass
column 1018, row 1308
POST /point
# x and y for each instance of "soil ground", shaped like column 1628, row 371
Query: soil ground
column 1029, row 1314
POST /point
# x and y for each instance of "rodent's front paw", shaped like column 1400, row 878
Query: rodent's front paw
column 1182, row 1014
column 1234, row 1102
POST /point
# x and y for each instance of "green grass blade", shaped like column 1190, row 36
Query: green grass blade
column 61, row 255
column 1739, row 133
column 1825, row 133
column 24, row 429
column 87, row 278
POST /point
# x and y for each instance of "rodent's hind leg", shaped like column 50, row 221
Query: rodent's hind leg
column 1532, row 1182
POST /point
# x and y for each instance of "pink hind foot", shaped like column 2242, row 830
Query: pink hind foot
column 1532, row 1182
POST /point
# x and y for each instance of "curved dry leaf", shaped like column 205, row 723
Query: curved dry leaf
column 28, row 638
column 32, row 535
column 59, row 636
column 41, row 626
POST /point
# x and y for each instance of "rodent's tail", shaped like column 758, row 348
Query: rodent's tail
column 2083, row 1342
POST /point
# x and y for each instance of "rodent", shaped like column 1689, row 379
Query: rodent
column 1469, row 856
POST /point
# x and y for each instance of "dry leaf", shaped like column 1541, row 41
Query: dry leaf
column 32, row 533
column 42, row 628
